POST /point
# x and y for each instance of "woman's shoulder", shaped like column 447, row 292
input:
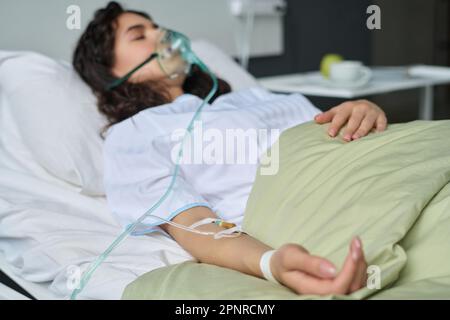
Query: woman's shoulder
column 149, row 122
column 123, row 134
column 246, row 96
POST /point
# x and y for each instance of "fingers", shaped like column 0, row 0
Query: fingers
column 295, row 258
column 361, row 116
column 350, row 278
column 325, row 117
column 303, row 283
column 304, row 273
column 353, row 123
column 336, row 124
column 381, row 123
column 347, row 275
column 361, row 273
column 366, row 125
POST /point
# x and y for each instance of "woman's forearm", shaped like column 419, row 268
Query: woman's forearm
column 292, row 265
column 241, row 253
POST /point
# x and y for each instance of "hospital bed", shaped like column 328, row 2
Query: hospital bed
column 54, row 218
column 392, row 188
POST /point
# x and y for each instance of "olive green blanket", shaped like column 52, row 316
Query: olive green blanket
column 390, row 188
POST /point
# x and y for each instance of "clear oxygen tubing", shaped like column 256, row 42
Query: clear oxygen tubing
column 189, row 56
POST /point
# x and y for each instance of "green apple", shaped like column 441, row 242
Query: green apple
column 327, row 61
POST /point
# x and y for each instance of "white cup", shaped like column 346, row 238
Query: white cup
column 350, row 73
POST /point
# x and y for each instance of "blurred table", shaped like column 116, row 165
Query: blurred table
column 384, row 80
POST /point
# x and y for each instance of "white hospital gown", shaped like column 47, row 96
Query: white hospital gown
column 139, row 155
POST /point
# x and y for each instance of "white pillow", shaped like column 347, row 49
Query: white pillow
column 54, row 115
column 49, row 120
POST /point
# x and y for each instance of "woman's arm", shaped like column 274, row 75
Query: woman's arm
column 241, row 253
column 291, row 264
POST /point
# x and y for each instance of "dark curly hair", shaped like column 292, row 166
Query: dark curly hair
column 93, row 59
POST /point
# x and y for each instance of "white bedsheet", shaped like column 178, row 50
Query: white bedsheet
column 46, row 224
column 44, row 229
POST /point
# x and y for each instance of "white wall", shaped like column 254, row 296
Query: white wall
column 40, row 25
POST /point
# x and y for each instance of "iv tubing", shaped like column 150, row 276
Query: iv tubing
column 87, row 275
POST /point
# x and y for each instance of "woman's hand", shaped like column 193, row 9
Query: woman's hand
column 361, row 117
column 293, row 266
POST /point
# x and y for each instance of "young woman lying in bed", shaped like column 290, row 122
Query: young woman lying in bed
column 144, row 111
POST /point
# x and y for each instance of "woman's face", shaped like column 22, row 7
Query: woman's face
column 136, row 38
